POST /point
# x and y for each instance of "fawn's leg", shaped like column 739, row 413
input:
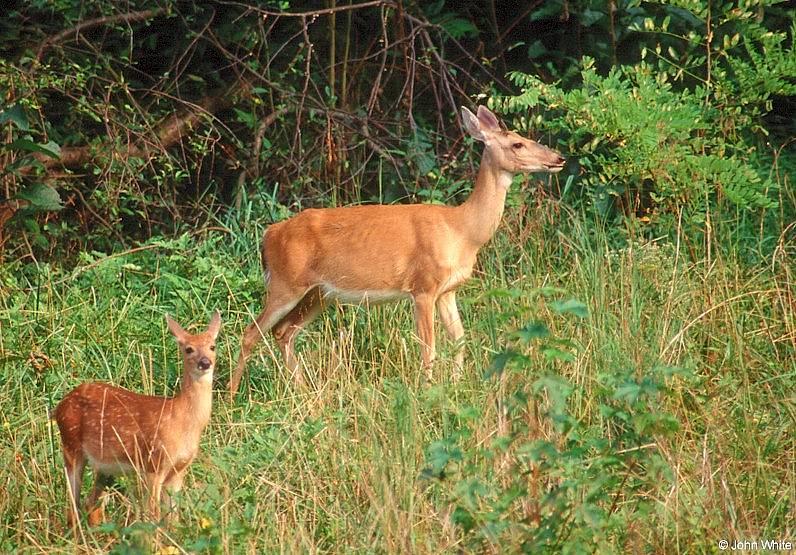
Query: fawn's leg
column 155, row 482
column 74, row 463
column 96, row 501
column 172, row 485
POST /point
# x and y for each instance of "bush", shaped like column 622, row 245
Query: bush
column 675, row 140
column 559, row 475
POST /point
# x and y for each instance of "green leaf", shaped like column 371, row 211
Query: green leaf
column 590, row 17
column 546, row 291
column 459, row 28
column 629, row 392
column 41, row 197
column 245, row 117
column 534, row 330
column 558, row 389
column 51, row 149
column 463, row 518
column 503, row 293
column 537, row 49
column 669, row 371
column 552, row 353
column 440, row 453
column 498, row 364
column 17, row 115
column 572, row 306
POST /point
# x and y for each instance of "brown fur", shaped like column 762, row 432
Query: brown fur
column 118, row 431
column 385, row 252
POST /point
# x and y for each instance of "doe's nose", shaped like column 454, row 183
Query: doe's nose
column 204, row 363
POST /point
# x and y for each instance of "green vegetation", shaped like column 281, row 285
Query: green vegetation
column 658, row 413
column 630, row 331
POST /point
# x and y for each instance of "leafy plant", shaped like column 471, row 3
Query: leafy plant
column 678, row 134
column 556, row 477
column 644, row 146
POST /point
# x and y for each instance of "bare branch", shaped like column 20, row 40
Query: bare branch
column 315, row 13
column 166, row 135
column 130, row 17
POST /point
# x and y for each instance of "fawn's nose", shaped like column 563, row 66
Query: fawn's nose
column 204, row 363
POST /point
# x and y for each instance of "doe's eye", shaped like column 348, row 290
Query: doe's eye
column 189, row 350
column 518, row 145
column 212, row 347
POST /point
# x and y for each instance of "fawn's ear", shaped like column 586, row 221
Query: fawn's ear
column 175, row 329
column 215, row 325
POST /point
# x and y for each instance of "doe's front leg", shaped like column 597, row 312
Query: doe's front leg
column 424, row 321
column 449, row 314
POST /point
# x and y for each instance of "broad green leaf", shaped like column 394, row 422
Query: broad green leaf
column 534, row 330
column 547, row 291
column 41, row 197
column 498, row 364
column 50, row 149
column 558, row 389
column 245, row 117
column 572, row 306
column 629, row 392
column 440, row 453
column 458, row 27
column 552, row 353
column 537, row 49
column 17, row 115
column 503, row 293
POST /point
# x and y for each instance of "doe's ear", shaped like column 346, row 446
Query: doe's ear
column 488, row 120
column 472, row 125
column 215, row 324
column 175, row 329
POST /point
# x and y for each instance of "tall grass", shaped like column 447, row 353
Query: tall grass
column 338, row 465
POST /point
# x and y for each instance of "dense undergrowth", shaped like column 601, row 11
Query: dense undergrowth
column 644, row 401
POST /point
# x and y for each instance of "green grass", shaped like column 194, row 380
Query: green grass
column 342, row 465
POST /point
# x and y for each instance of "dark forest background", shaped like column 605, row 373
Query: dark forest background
column 126, row 120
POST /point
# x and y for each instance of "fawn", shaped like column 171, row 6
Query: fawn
column 117, row 431
column 378, row 253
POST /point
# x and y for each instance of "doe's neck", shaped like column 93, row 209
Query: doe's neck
column 483, row 209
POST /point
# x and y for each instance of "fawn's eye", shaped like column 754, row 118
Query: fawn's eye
column 518, row 145
column 189, row 350
column 212, row 347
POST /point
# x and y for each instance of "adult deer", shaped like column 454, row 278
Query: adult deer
column 388, row 252
column 117, row 431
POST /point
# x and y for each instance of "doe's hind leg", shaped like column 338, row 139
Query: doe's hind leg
column 277, row 305
column 286, row 330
